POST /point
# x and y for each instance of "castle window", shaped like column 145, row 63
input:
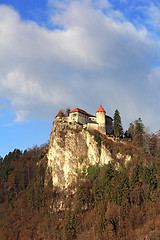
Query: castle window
column 74, row 115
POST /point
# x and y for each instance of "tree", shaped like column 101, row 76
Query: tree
column 137, row 130
column 83, row 194
column 117, row 125
column 131, row 130
column 70, row 222
column 101, row 220
column 93, row 171
column 153, row 144
column 139, row 126
column 127, row 134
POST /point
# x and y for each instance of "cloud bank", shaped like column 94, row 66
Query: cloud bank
column 93, row 56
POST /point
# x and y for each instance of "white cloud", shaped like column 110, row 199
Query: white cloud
column 96, row 59
column 153, row 13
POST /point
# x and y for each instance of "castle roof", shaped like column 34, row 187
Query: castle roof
column 101, row 109
column 81, row 111
column 90, row 115
column 60, row 114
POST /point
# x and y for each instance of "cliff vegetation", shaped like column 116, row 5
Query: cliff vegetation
column 83, row 185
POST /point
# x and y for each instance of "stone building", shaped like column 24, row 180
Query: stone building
column 100, row 122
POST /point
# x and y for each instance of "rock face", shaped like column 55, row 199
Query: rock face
column 71, row 150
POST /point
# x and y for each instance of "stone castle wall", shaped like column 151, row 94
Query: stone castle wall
column 100, row 122
column 93, row 126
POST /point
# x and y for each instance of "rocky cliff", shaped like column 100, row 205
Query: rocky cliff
column 71, row 149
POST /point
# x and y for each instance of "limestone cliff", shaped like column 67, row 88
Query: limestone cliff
column 71, row 150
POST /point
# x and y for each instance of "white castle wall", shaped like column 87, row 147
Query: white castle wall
column 100, row 117
column 101, row 122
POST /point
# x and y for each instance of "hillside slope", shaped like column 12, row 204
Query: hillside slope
column 84, row 185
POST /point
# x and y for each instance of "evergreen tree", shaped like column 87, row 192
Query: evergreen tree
column 117, row 125
column 139, row 126
column 131, row 130
column 70, row 223
column 139, row 132
column 153, row 144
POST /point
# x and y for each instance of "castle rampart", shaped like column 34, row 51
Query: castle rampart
column 100, row 122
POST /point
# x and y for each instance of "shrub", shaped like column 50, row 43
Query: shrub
column 80, row 160
column 50, row 184
column 93, row 171
column 97, row 138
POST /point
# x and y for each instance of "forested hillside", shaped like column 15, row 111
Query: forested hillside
column 114, row 201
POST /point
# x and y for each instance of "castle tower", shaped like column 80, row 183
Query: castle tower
column 101, row 119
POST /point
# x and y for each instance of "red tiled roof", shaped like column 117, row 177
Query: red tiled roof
column 90, row 115
column 79, row 110
column 60, row 114
column 82, row 111
column 101, row 109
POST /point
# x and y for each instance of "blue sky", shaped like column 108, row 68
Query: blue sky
column 58, row 54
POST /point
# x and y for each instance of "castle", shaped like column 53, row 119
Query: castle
column 100, row 122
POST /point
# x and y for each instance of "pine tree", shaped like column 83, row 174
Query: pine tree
column 139, row 132
column 70, row 222
column 131, row 130
column 117, row 125
column 139, row 126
